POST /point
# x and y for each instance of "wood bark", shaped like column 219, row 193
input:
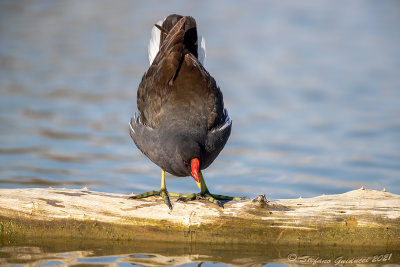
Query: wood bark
column 359, row 217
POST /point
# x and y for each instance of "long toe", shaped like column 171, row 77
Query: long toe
column 212, row 199
column 147, row 194
column 186, row 198
column 222, row 197
column 162, row 193
column 207, row 196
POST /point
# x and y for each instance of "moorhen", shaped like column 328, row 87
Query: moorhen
column 182, row 125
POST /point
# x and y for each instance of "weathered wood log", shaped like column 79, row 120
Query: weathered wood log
column 359, row 217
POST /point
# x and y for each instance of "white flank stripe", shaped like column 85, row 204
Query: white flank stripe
column 130, row 125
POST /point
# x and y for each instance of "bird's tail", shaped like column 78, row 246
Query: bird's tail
column 193, row 43
column 190, row 39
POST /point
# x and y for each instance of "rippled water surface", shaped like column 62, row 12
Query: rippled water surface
column 92, row 253
column 312, row 88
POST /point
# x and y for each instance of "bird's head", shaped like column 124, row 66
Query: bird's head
column 191, row 154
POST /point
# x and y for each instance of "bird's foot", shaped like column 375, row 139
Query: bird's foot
column 162, row 193
column 213, row 198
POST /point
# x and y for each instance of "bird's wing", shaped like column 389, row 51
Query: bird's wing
column 156, row 83
column 194, row 74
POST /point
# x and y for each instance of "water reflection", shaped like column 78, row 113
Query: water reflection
column 73, row 252
column 105, row 253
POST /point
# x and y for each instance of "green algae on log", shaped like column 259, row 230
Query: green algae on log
column 358, row 217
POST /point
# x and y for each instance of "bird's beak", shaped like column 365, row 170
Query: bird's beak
column 195, row 165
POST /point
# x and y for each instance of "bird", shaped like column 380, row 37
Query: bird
column 182, row 124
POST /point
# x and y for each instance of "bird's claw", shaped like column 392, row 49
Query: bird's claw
column 162, row 193
column 213, row 198
column 147, row 194
column 216, row 199
column 208, row 196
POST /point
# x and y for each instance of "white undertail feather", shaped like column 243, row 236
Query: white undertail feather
column 202, row 49
column 154, row 44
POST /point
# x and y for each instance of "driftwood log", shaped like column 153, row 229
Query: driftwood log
column 358, row 217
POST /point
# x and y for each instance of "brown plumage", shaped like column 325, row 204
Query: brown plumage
column 161, row 83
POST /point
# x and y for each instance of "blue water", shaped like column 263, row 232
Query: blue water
column 312, row 88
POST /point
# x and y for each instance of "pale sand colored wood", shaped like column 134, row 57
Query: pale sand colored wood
column 358, row 210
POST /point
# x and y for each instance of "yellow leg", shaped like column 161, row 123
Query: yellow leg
column 163, row 187
column 202, row 185
column 163, row 190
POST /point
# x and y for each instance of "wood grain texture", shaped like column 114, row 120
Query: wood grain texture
column 361, row 217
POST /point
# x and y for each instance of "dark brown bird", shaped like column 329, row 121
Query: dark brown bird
column 182, row 125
